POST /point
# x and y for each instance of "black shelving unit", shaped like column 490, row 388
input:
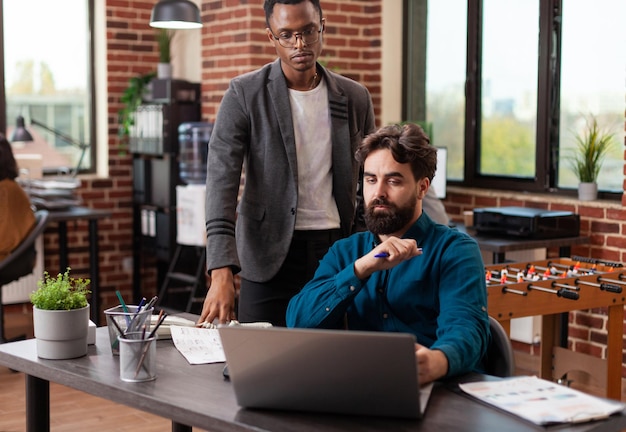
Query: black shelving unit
column 154, row 146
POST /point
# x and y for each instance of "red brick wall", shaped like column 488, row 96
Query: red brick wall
column 234, row 41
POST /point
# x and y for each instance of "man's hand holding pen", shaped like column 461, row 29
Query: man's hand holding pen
column 386, row 255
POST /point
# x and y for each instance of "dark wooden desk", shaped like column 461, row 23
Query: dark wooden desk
column 199, row 396
column 500, row 245
column 62, row 217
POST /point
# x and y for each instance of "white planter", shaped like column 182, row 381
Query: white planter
column 587, row 191
column 164, row 70
column 61, row 334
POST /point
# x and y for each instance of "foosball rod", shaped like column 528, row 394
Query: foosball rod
column 603, row 286
column 565, row 293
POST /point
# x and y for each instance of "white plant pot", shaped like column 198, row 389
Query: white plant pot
column 164, row 70
column 587, row 191
column 61, row 334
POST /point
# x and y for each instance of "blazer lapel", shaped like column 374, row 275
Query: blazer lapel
column 343, row 153
column 279, row 95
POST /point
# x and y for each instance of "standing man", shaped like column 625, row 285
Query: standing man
column 406, row 273
column 294, row 127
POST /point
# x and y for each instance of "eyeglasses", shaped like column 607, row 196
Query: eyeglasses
column 289, row 39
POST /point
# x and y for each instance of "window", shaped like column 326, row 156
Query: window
column 48, row 79
column 532, row 72
column 508, row 101
column 592, row 81
column 445, row 80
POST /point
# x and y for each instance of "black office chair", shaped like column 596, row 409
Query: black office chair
column 20, row 262
column 499, row 360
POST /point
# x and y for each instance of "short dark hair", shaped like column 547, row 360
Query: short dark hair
column 268, row 7
column 408, row 144
column 8, row 165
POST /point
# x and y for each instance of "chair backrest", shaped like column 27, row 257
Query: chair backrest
column 499, row 360
column 20, row 261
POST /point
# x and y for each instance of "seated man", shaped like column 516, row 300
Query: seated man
column 406, row 273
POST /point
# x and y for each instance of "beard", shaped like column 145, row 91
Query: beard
column 391, row 220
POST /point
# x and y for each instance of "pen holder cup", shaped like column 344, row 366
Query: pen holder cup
column 137, row 357
column 119, row 321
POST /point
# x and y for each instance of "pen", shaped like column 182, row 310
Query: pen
column 151, row 303
column 143, row 354
column 386, row 254
column 120, row 331
column 117, row 326
column 124, row 307
column 141, row 303
column 162, row 316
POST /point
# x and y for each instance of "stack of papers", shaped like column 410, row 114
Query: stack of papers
column 52, row 193
column 542, row 402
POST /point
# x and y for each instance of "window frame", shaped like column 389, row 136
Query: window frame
column 91, row 86
column 548, row 98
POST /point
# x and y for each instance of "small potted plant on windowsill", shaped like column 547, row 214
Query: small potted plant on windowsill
column 61, row 316
column 592, row 146
column 164, row 40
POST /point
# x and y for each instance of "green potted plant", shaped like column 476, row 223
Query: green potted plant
column 132, row 97
column 592, row 146
column 61, row 316
column 164, row 40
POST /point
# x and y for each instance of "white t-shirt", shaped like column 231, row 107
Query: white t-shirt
column 317, row 209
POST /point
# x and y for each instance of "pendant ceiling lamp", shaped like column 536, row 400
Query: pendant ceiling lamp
column 176, row 14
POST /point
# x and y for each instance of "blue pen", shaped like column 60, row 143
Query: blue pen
column 386, row 254
column 141, row 303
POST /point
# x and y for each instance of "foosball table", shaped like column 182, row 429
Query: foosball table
column 552, row 287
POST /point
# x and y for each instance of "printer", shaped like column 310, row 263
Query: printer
column 526, row 222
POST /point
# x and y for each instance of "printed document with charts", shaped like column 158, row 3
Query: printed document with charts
column 540, row 401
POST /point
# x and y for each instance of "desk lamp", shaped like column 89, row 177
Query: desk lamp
column 176, row 14
column 21, row 134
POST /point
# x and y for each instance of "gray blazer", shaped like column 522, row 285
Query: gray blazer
column 254, row 130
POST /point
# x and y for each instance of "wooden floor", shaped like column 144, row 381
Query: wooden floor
column 67, row 406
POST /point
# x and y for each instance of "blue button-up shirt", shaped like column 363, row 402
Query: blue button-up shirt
column 439, row 296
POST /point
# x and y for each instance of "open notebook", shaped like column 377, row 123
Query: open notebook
column 333, row 371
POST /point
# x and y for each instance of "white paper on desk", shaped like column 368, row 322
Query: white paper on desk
column 542, row 401
column 198, row 345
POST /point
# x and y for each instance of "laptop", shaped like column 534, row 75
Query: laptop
column 329, row 371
